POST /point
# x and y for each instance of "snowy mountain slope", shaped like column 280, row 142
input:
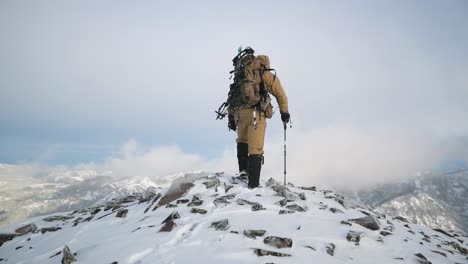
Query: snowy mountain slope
column 214, row 218
column 24, row 194
column 433, row 200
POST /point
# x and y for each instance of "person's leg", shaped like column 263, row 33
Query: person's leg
column 256, row 137
column 242, row 143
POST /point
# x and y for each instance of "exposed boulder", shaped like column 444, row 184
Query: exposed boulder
column 212, row 183
column 224, row 199
column 385, row 233
column 354, row 237
column 336, row 210
column 68, row 256
column 122, row 213
column 168, row 226
column 6, row 237
column 295, row 207
column 368, row 222
column 270, row 182
column 196, row 201
column 421, row 259
column 58, row 218
column 302, row 196
column 282, row 202
column 178, row 188
column 221, row 225
column 155, row 199
column 286, row 212
column 278, row 242
column 49, row 229
column 174, row 215
column 254, row 233
column 182, row 201
column 26, row 229
column 198, row 211
column 262, row 252
column 227, row 187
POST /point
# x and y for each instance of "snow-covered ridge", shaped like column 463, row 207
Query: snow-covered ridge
column 214, row 218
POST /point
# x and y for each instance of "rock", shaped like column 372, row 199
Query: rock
column 401, row 219
column 221, row 225
column 148, row 195
column 6, row 237
column 283, row 191
column 380, row 239
column 26, row 229
column 68, row 257
column 58, row 218
column 122, row 213
column 20, row 247
column 182, row 201
column 411, row 231
column 282, row 202
column 95, row 211
column 49, row 229
column 286, row 212
column 198, row 211
column 178, row 188
column 389, row 228
column 211, row 183
column 346, row 223
column 440, row 253
column 174, row 215
column 169, row 205
column 290, row 184
column 313, row 188
column 155, row 199
column 262, row 252
column 295, row 207
column 458, row 247
column 278, row 242
column 331, row 249
column 224, row 199
column 443, row 232
column 257, row 207
column 422, row 259
column 385, row 233
column 368, row 222
column 168, row 226
column 227, row 187
column 354, row 237
column 254, row 233
column 302, row 196
column 311, row 247
column 270, row 182
column 336, row 210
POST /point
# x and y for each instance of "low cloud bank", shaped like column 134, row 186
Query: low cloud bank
column 335, row 157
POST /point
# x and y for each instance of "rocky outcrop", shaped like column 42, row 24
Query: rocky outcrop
column 6, row 237
column 58, row 218
column 29, row 228
column 50, row 229
column 68, row 256
column 368, row 222
column 262, row 252
column 278, row 242
column 221, row 225
column 254, row 233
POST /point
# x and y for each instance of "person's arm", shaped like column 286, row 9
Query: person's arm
column 274, row 87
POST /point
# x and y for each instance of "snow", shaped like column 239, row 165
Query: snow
column 135, row 238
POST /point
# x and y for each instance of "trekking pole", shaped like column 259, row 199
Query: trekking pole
column 284, row 123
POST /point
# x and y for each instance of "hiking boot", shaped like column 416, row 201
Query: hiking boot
column 255, row 166
column 242, row 157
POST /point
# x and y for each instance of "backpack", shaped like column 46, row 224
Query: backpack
column 248, row 89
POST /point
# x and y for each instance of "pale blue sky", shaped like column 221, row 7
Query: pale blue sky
column 79, row 79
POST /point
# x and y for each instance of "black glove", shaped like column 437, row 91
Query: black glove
column 285, row 117
column 232, row 123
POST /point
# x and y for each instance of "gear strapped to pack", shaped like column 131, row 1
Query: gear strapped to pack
column 248, row 89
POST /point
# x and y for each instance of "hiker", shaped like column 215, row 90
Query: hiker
column 249, row 107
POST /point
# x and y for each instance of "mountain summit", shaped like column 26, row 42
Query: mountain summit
column 215, row 218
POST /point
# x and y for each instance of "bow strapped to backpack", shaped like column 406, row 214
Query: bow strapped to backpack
column 248, row 89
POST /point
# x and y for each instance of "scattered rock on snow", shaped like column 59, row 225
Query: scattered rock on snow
column 198, row 211
column 270, row 182
column 302, row 196
column 286, row 212
column 122, row 213
column 422, row 259
column 221, row 225
column 385, row 233
column 401, row 218
column 169, row 205
column 212, row 183
column 68, row 257
column 282, row 202
column 346, row 223
column 49, row 229
column 26, row 229
column 440, row 253
column 254, row 233
column 368, row 222
column 58, row 218
column 313, row 188
column 6, row 237
column 227, row 187
column 168, row 226
column 262, row 252
column 295, row 207
column 182, row 201
column 224, row 199
column 354, row 237
column 336, row 210
column 174, row 215
column 331, row 249
column 278, row 242
column 196, row 201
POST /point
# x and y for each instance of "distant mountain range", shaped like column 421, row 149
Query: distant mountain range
column 433, row 200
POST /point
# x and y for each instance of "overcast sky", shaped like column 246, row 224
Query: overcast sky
column 372, row 85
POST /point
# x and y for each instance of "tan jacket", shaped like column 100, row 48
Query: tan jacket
column 274, row 85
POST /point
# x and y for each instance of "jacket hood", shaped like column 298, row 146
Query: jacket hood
column 263, row 59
